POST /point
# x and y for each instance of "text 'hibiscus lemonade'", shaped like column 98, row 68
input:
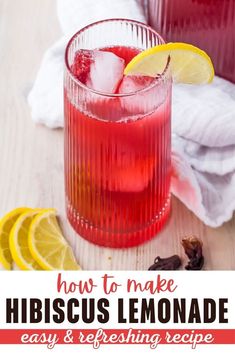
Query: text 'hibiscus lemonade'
column 117, row 136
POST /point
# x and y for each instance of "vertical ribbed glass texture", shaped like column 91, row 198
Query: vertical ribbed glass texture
column 117, row 147
column 208, row 24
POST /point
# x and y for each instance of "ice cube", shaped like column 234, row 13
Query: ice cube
column 81, row 64
column 148, row 94
column 143, row 101
column 130, row 178
column 125, row 179
column 98, row 69
column 106, row 71
column 134, row 83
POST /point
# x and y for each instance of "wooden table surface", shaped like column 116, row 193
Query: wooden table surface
column 31, row 156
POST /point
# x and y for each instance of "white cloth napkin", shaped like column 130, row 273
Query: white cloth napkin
column 203, row 116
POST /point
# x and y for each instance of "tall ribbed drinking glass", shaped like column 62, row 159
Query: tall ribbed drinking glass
column 117, row 146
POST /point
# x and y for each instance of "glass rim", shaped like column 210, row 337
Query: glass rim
column 156, row 82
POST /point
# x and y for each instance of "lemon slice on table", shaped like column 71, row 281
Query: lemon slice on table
column 188, row 64
column 48, row 245
column 18, row 242
column 6, row 224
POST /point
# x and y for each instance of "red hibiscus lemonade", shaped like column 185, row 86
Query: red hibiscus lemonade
column 117, row 143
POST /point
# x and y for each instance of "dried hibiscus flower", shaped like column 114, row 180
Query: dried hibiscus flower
column 170, row 263
column 193, row 249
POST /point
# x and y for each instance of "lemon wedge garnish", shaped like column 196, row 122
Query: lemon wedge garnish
column 188, row 64
column 6, row 224
column 47, row 244
column 18, row 242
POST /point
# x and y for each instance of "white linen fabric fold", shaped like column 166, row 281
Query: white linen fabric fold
column 203, row 117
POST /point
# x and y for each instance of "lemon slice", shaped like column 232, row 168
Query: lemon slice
column 188, row 64
column 6, row 224
column 18, row 242
column 48, row 245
